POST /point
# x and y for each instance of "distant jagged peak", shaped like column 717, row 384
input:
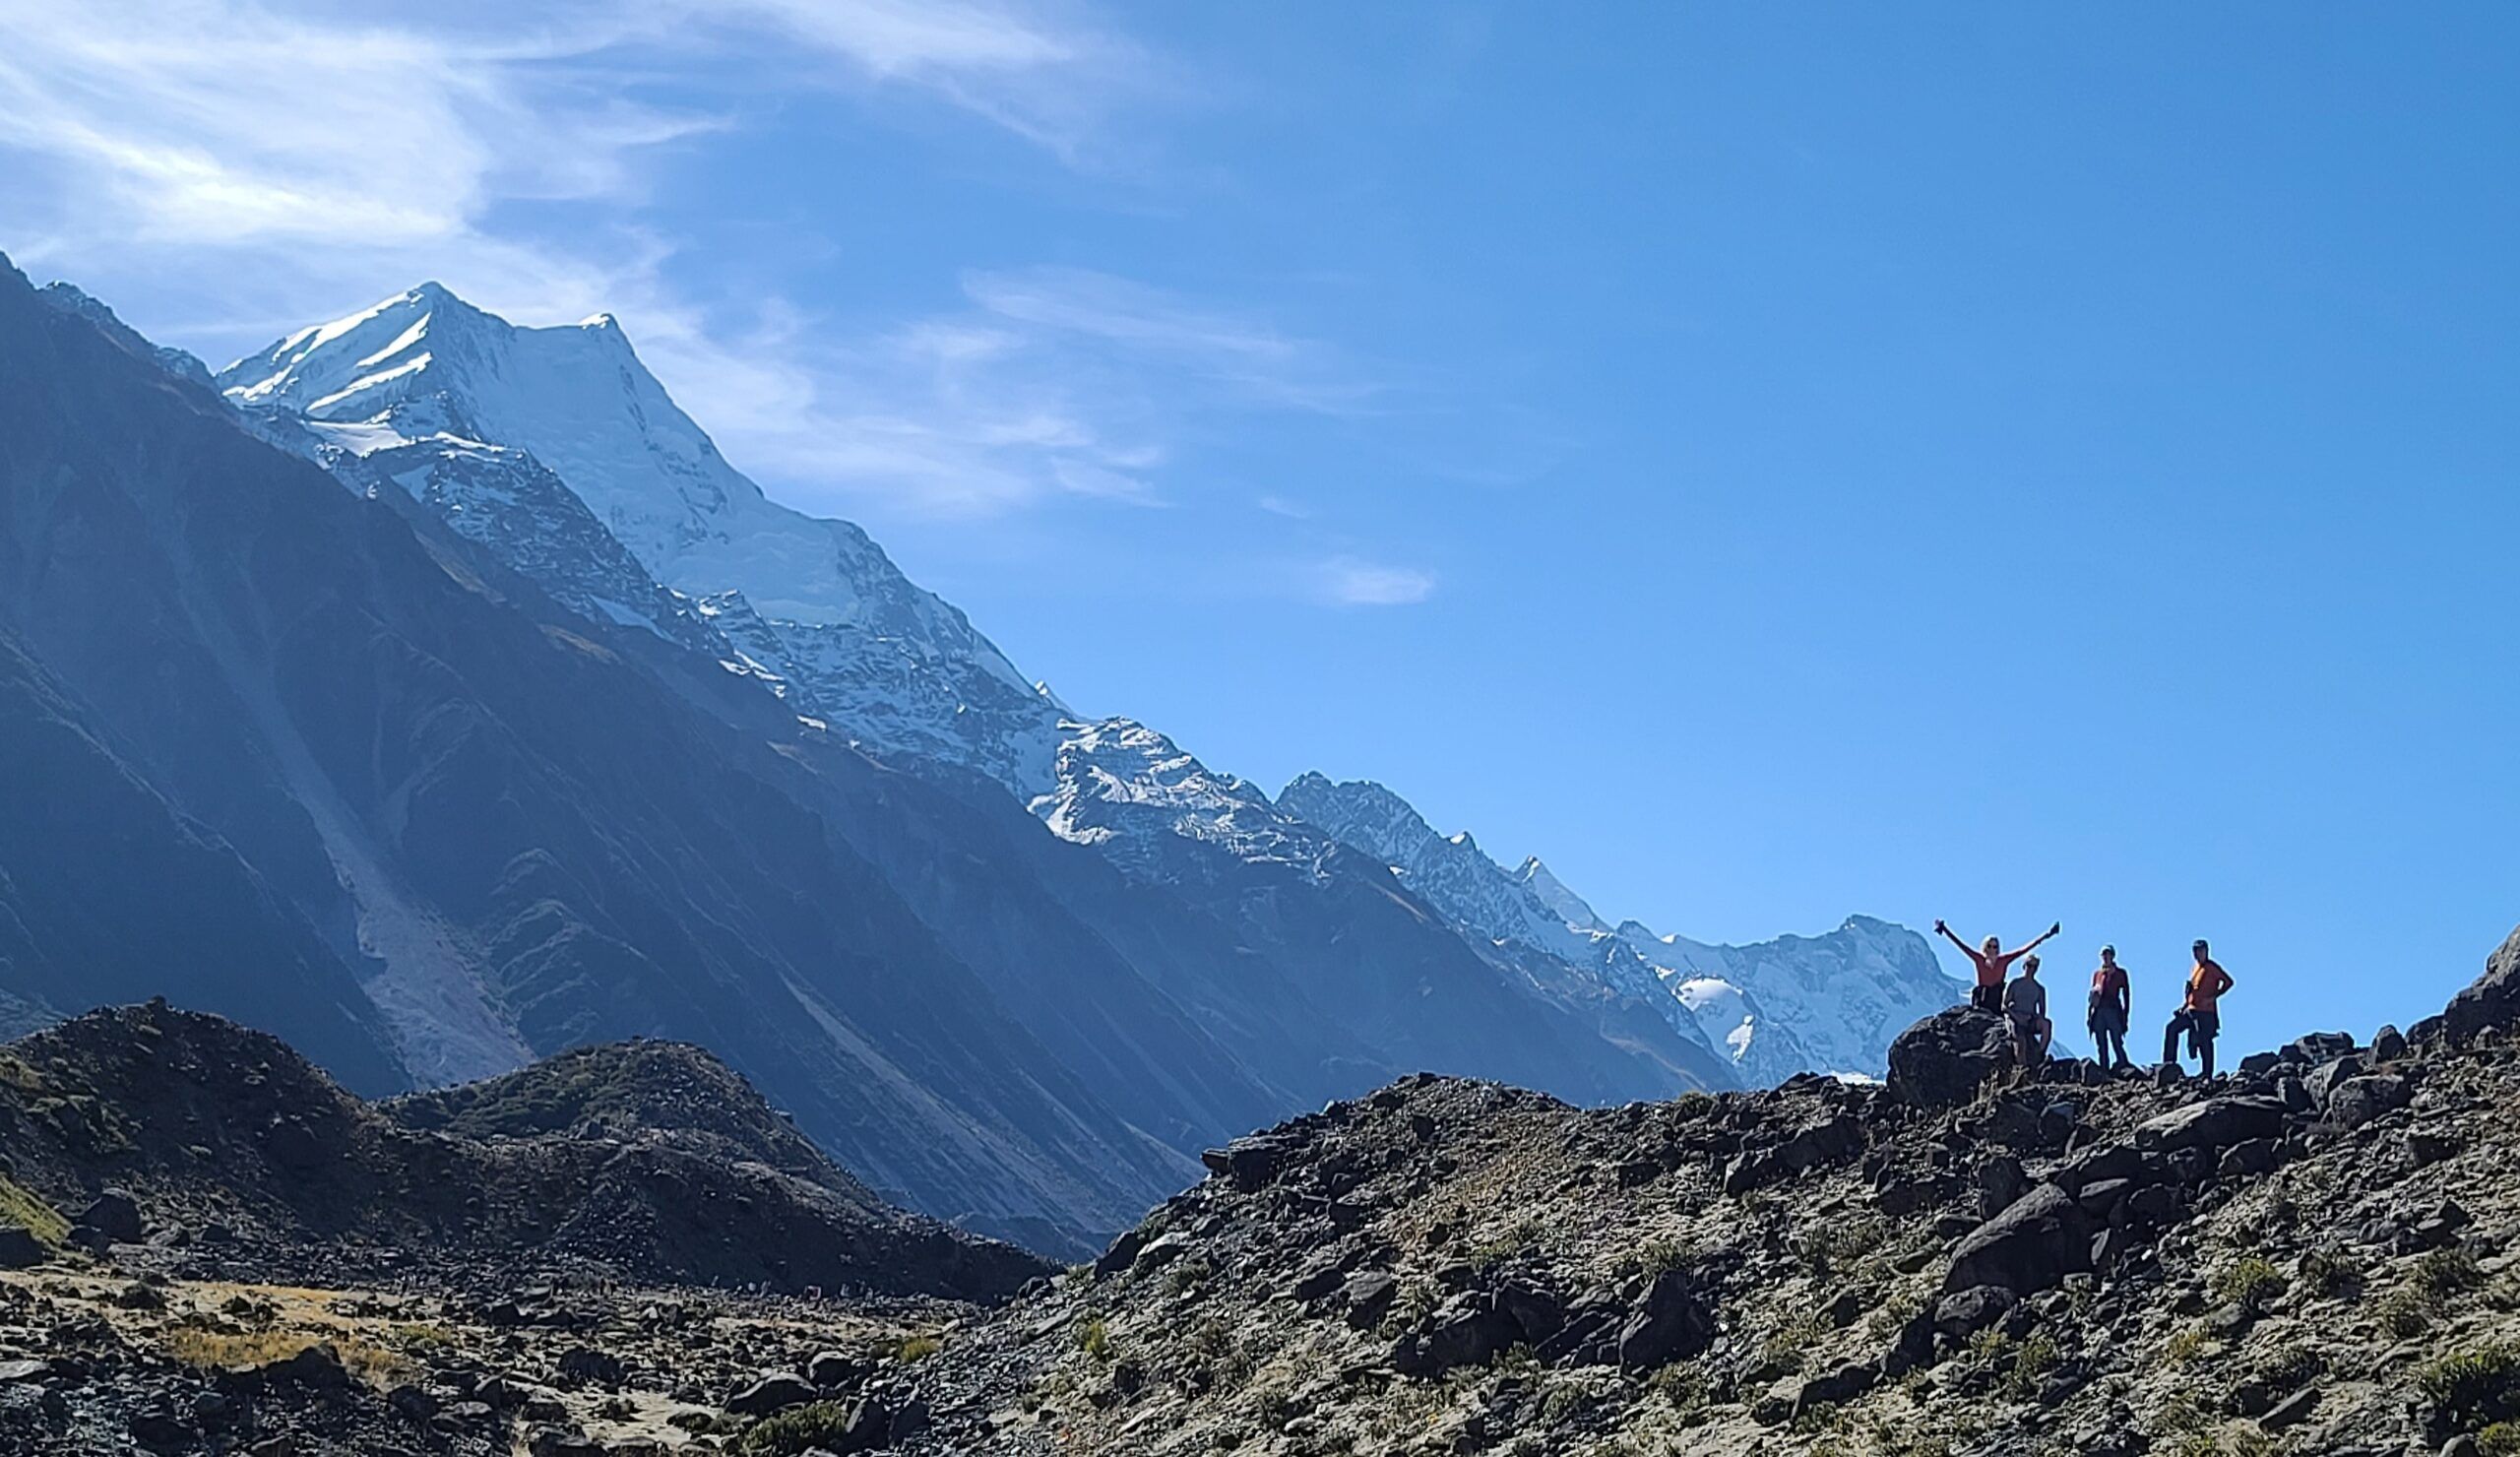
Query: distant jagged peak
column 1361, row 811
column 1558, row 897
column 70, row 298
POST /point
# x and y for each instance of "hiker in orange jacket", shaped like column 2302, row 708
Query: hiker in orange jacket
column 1992, row 963
column 2200, row 1015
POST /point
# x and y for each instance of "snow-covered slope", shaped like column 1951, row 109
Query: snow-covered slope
column 476, row 416
column 1130, row 790
column 1840, row 995
column 1796, row 1004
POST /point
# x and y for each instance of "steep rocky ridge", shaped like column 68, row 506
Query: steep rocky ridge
column 654, row 1160
column 2318, row 1254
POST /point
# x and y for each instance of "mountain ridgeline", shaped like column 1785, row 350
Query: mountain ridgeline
column 431, row 694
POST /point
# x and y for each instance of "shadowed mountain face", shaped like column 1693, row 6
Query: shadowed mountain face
column 307, row 763
column 340, row 764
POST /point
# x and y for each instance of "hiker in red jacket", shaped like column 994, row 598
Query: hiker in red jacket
column 2111, row 1004
column 2200, row 1015
column 1992, row 963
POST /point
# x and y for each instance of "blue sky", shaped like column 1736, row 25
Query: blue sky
column 1999, row 461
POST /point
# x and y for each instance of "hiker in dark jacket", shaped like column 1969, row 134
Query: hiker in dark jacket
column 2111, row 1004
column 2026, row 1007
column 2200, row 1014
column 1992, row 963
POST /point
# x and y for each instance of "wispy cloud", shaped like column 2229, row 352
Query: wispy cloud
column 1348, row 582
column 292, row 164
column 1244, row 354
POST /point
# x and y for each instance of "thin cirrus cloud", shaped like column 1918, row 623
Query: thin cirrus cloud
column 1349, row 582
column 261, row 166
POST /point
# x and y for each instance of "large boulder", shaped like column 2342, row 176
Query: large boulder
column 1943, row 1060
column 20, row 1248
column 2492, row 1000
column 773, row 1391
column 2034, row 1245
column 116, row 1216
column 1671, row 1323
column 2212, row 1125
column 2367, row 1099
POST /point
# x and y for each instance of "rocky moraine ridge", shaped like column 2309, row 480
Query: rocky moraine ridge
column 2313, row 1255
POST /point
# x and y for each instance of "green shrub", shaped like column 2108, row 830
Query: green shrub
column 1505, row 1244
column 1658, row 1256
column 797, row 1429
column 2330, row 1270
column 2445, row 1272
column 1191, row 1275
column 2501, row 1439
column 2031, row 1365
column 2249, row 1283
column 919, row 1348
column 2481, row 1385
column 2407, row 1311
column 2184, row 1347
column 1094, row 1338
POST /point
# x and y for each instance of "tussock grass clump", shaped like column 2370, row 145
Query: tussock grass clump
column 2330, row 1270
column 2250, row 1283
column 20, row 1206
column 2407, row 1311
column 919, row 1348
column 2479, row 1384
column 2030, row 1364
column 210, row 1350
column 797, row 1429
column 1094, row 1338
column 2445, row 1272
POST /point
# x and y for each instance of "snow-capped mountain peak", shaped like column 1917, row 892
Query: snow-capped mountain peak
column 828, row 614
column 1553, row 893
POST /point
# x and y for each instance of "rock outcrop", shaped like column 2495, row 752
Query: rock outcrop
column 650, row 1160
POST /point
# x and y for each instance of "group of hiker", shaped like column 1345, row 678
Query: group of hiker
column 2022, row 1002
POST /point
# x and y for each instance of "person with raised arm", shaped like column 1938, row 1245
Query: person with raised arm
column 1993, row 962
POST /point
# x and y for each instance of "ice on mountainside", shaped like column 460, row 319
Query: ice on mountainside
column 1552, row 893
column 1127, row 789
column 1827, row 1003
column 479, row 419
column 1840, row 998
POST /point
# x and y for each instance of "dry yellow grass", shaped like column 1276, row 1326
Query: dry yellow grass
column 20, row 1206
column 197, row 1345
